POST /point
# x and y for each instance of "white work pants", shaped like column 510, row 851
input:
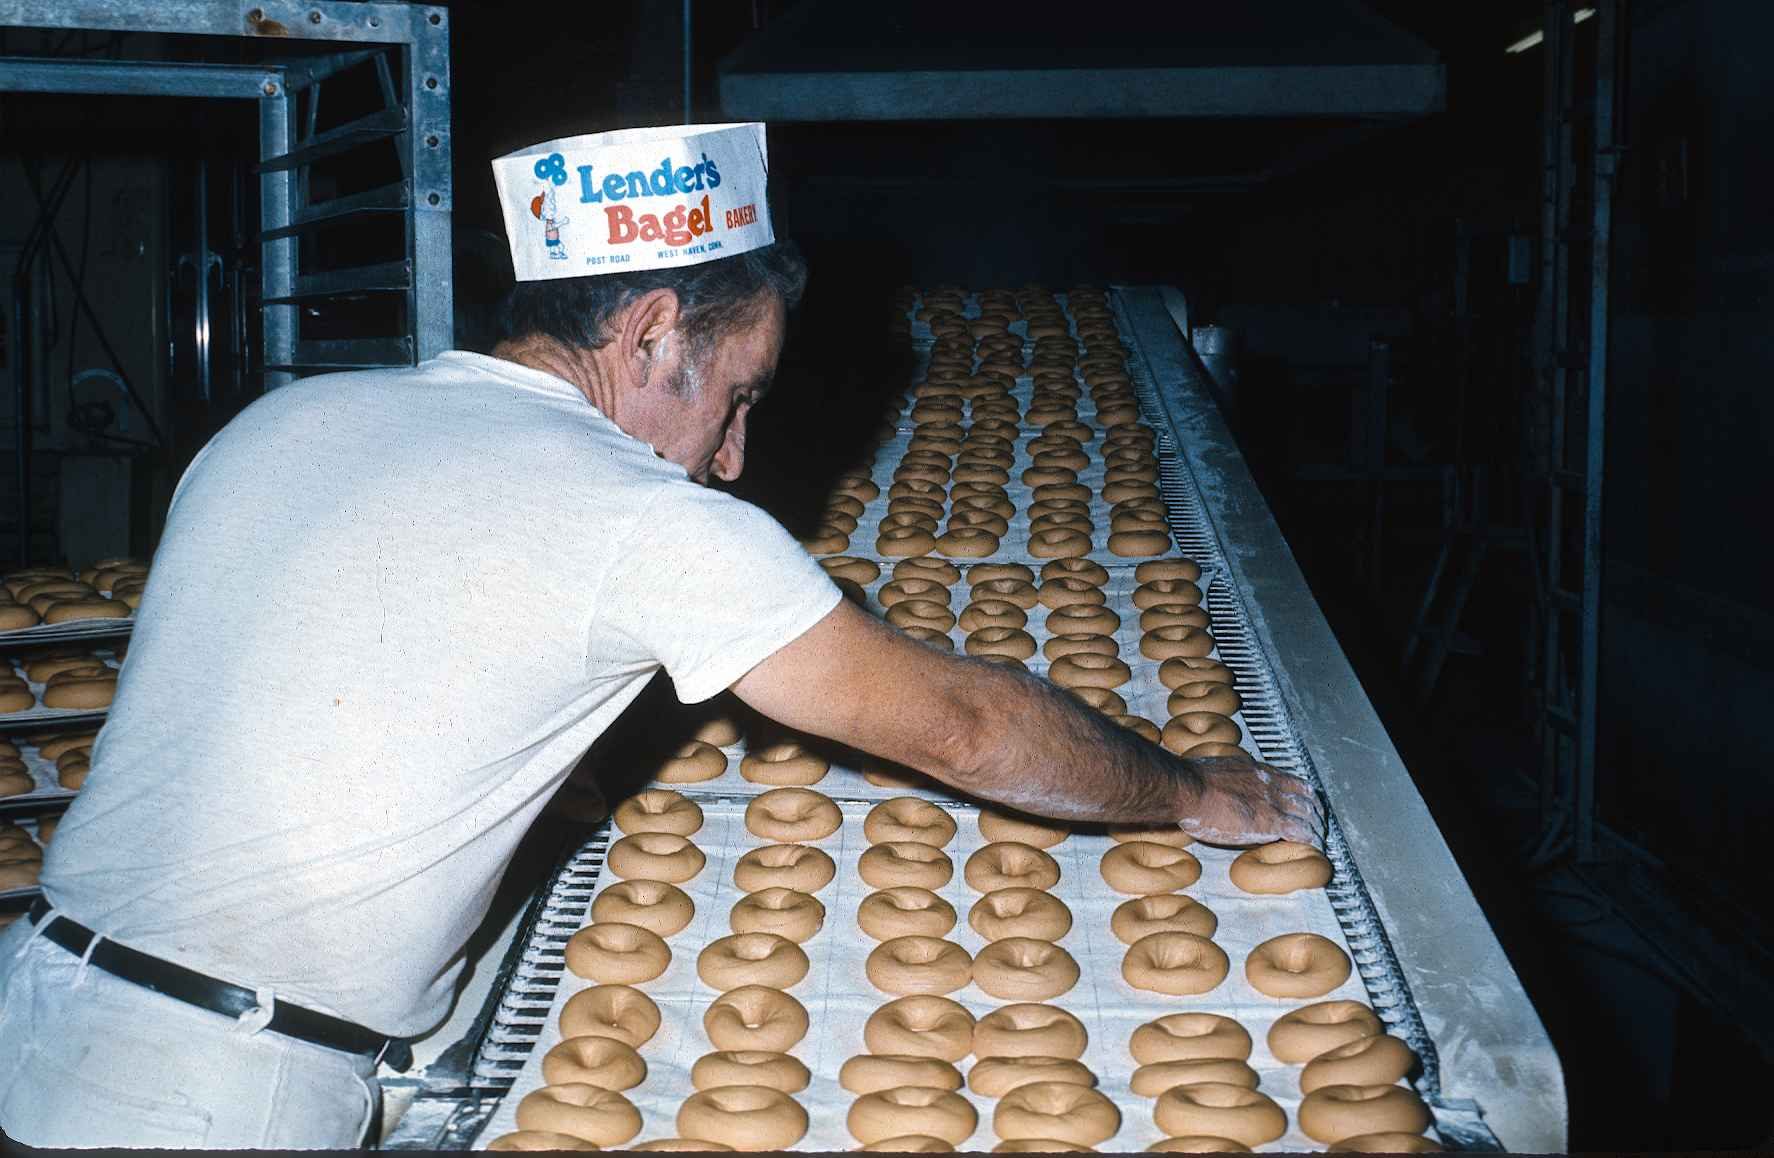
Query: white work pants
column 92, row 1060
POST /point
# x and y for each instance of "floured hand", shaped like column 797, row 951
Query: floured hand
column 1244, row 803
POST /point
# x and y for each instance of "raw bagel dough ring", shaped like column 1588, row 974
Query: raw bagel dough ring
column 867, row 1073
column 1225, row 1111
column 1143, row 868
column 1220, row 750
column 918, row 965
column 1010, row 864
column 691, row 764
column 1087, row 670
column 983, row 613
column 902, row 541
column 603, row 1062
column 1169, row 834
column 540, row 1140
column 1283, row 866
column 1162, row 913
column 1135, row 543
column 1301, row 1035
column 1174, row 615
column 1368, row 1061
column 613, row 954
column 785, row 912
column 1387, row 1144
column 1204, row 696
column 659, row 810
column 922, row 1025
column 1162, row 643
column 786, row 764
column 1176, row 964
column 1191, row 730
column 1004, row 826
column 72, row 691
column 1040, row 1146
column 966, row 542
column 1010, row 641
column 1029, row 1029
column 936, row 570
column 1059, row 647
column 1058, row 1110
column 788, row 815
column 719, row 730
column 1070, row 592
column 1082, row 619
column 750, row 1067
column 1008, row 590
column 1019, row 911
column 1154, row 592
column 912, row 1109
column 852, row 568
column 993, row 1077
column 1149, row 1081
column 908, row 1144
column 1198, row 1144
column 741, row 959
column 1091, row 572
column 1059, row 543
column 755, row 1017
column 655, row 856
column 921, row 613
column 603, row 1117
column 745, row 1117
column 1297, row 965
column 1189, row 1037
column 658, row 907
column 992, row 572
column 789, row 866
column 1188, row 669
column 1154, row 570
column 911, row 587
column 617, row 1011
column 1024, row 969
column 905, row 911
column 904, row 862
column 908, row 818
column 1332, row 1113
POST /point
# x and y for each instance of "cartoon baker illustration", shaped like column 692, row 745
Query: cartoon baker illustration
column 542, row 206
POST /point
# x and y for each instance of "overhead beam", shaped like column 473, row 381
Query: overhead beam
column 1291, row 91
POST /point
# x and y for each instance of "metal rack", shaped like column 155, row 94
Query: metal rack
column 303, row 47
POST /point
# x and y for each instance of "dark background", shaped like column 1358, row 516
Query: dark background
column 1649, row 968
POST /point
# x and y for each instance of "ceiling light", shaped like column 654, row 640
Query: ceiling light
column 1538, row 35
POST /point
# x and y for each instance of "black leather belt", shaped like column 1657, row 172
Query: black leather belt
column 204, row 992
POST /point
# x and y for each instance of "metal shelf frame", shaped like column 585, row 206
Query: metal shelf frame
column 416, row 119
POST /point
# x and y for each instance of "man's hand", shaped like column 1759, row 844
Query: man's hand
column 1241, row 803
column 1009, row 737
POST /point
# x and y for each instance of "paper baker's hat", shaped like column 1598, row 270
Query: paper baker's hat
column 634, row 199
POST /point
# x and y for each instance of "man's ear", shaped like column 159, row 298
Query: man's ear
column 645, row 335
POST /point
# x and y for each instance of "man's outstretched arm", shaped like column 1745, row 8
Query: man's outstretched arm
column 1009, row 737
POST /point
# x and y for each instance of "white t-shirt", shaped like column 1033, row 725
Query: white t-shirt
column 390, row 611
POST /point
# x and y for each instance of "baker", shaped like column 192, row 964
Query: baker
column 391, row 610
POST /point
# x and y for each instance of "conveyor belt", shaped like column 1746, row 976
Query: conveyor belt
column 560, row 909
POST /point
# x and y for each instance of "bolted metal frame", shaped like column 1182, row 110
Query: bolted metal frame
column 417, row 120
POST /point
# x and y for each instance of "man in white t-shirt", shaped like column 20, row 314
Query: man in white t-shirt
column 390, row 611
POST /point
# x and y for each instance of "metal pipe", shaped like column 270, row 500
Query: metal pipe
column 1607, row 65
column 688, row 117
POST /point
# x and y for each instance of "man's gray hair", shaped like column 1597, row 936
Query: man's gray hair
column 714, row 298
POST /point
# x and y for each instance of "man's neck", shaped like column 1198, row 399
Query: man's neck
column 582, row 368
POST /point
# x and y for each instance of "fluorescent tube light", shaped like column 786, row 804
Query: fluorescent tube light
column 1538, row 35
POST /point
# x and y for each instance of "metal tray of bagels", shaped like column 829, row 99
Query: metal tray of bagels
column 1217, row 1034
